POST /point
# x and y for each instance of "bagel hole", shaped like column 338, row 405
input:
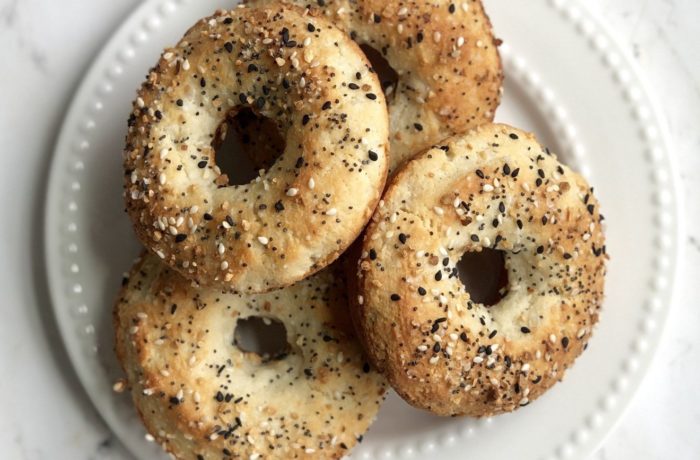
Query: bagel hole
column 388, row 77
column 245, row 143
column 266, row 337
column 484, row 275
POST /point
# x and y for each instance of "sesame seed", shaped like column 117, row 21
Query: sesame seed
column 119, row 386
column 263, row 240
column 439, row 211
column 332, row 212
column 312, row 183
column 224, row 265
column 478, row 359
column 488, row 188
column 292, row 191
column 221, row 248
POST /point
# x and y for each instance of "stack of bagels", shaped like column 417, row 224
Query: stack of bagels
column 401, row 178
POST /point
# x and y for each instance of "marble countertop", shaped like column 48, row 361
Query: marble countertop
column 47, row 45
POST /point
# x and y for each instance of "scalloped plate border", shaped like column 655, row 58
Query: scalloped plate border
column 669, row 240
column 150, row 15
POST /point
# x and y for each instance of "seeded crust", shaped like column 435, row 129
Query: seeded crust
column 445, row 53
column 295, row 218
column 493, row 187
column 200, row 396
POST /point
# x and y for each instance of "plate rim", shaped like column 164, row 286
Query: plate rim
column 673, row 291
column 100, row 62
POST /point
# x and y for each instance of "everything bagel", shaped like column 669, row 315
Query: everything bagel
column 446, row 57
column 202, row 397
column 299, row 215
column 494, row 187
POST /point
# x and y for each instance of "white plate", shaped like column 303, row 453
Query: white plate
column 566, row 80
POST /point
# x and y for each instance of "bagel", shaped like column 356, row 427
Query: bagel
column 444, row 53
column 494, row 187
column 296, row 217
column 202, row 397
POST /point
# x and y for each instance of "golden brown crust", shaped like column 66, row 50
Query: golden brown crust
column 493, row 187
column 199, row 394
column 450, row 72
column 302, row 213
